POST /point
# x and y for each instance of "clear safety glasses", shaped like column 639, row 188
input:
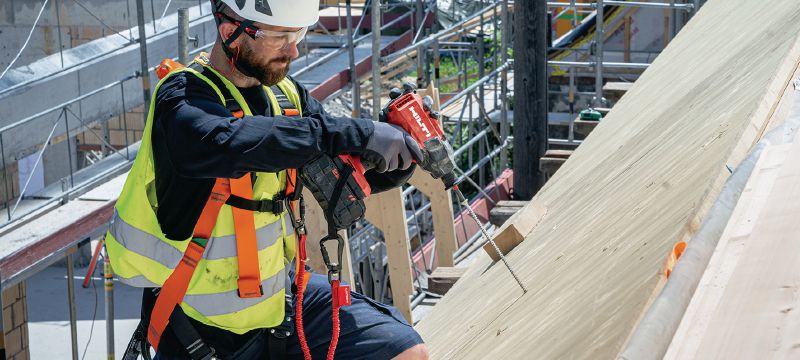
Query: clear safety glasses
column 277, row 39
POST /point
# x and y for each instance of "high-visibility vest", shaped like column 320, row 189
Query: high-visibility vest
column 142, row 256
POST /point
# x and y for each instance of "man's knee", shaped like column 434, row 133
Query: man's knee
column 418, row 352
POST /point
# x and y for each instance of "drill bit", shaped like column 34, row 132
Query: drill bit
column 465, row 203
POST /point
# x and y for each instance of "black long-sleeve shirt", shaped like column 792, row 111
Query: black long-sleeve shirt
column 196, row 139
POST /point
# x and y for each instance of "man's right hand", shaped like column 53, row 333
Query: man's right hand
column 390, row 148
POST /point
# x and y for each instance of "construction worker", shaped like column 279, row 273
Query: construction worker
column 219, row 279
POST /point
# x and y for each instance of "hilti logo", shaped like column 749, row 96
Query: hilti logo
column 420, row 123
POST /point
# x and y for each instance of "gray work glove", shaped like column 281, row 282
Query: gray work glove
column 390, row 148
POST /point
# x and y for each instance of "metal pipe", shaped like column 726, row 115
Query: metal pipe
column 73, row 318
column 420, row 59
column 356, row 94
column 436, row 64
column 420, row 20
column 83, row 185
column 5, row 176
column 504, row 126
column 36, row 164
column 376, row 59
column 343, row 47
column 686, row 7
column 457, row 254
column 476, row 84
column 69, row 150
column 183, row 36
column 58, row 26
column 419, row 30
column 469, row 143
column 425, row 42
column 598, row 54
column 417, row 299
column 482, row 161
column 153, row 14
column 143, row 55
column 570, row 4
column 125, row 121
column 367, row 5
column 62, row 105
column 108, row 288
column 609, row 65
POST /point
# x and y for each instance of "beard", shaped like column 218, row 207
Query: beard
column 270, row 73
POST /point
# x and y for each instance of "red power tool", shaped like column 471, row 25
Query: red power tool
column 413, row 114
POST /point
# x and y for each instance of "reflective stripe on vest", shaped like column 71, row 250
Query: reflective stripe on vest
column 142, row 256
column 221, row 247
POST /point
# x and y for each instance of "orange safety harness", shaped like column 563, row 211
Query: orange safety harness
column 174, row 288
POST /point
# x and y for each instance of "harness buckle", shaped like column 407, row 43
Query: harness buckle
column 212, row 354
column 250, row 293
column 274, row 206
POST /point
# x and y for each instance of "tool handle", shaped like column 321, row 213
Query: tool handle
column 359, row 168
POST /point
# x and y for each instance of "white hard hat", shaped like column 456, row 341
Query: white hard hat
column 288, row 13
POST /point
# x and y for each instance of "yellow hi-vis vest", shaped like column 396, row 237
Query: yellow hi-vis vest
column 142, row 256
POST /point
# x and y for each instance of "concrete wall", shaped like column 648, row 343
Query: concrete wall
column 77, row 25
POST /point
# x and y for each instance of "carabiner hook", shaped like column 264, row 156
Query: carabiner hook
column 334, row 268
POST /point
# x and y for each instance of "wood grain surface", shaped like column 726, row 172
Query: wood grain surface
column 641, row 182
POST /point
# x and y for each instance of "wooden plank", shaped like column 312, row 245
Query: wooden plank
column 442, row 212
column 512, row 203
column 643, row 181
column 550, row 165
column 560, row 154
column 443, row 278
column 386, row 211
column 621, row 87
column 729, row 251
column 500, row 214
column 757, row 316
column 516, row 229
column 584, row 127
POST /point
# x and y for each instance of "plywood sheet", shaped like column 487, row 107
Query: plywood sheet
column 640, row 183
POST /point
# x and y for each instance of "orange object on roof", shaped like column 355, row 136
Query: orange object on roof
column 674, row 256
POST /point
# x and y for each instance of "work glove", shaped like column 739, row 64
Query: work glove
column 390, row 148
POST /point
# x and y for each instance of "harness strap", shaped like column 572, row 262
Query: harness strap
column 246, row 243
column 175, row 286
column 287, row 108
column 188, row 336
column 274, row 206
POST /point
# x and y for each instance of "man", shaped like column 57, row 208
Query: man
column 200, row 223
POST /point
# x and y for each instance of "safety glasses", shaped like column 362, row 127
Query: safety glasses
column 277, row 40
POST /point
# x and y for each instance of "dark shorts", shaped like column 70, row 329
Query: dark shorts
column 369, row 330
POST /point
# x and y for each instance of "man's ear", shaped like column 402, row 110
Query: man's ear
column 227, row 29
